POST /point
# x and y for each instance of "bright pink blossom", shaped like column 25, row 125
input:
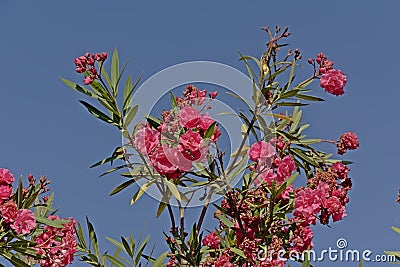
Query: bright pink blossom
column 333, row 82
column 9, row 211
column 6, row 177
column 285, row 168
column 261, row 151
column 5, row 191
column 302, row 238
column 24, row 222
column 341, row 169
column 162, row 164
column 205, row 122
column 146, row 140
column 58, row 244
column 193, row 146
column 211, row 240
column 189, row 117
column 307, row 205
column 335, row 208
column 348, row 141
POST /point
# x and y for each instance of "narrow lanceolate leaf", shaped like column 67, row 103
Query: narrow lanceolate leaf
column 79, row 88
column 81, row 236
column 128, row 92
column 54, row 223
column 309, row 97
column 122, row 187
column 115, row 261
column 141, row 191
column 93, row 238
column 161, row 208
column 290, row 104
column 114, row 70
column 238, row 252
column 225, row 220
column 159, row 261
column 174, row 104
column 130, row 115
column 140, row 250
column 210, row 130
column 109, row 159
column 97, row 113
column 174, row 190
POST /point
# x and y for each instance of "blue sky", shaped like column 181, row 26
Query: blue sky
column 45, row 131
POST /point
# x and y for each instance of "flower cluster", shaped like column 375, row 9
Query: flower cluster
column 181, row 137
column 347, row 141
column 85, row 64
column 21, row 221
column 332, row 80
column 324, row 197
column 57, row 245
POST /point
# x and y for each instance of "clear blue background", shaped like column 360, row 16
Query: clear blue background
column 45, row 131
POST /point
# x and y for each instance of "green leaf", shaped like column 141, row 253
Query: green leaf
column 140, row 250
column 174, row 104
column 109, row 159
column 290, row 104
column 14, row 260
column 97, row 113
column 159, row 261
column 161, row 208
column 115, row 243
column 114, row 261
column 79, row 88
column 141, row 191
column 174, row 189
column 396, row 229
column 93, row 238
column 54, row 223
column 210, row 130
column 238, row 252
column 20, row 194
column 114, row 70
column 81, row 236
column 225, row 220
column 128, row 92
column 122, row 187
column 130, row 115
column 309, row 97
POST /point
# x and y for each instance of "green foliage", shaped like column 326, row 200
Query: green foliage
column 128, row 252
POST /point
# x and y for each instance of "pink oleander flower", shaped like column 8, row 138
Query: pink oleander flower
column 285, row 168
column 211, row 240
column 223, row 261
column 205, row 122
column 9, row 211
column 146, row 140
column 57, row 244
column 341, row 169
column 194, row 95
column 348, row 141
column 192, row 146
column 261, row 151
column 189, row 117
column 307, row 205
column 335, row 208
column 6, row 177
column 266, row 175
column 333, row 81
column 5, row 192
column 177, row 158
column 302, row 238
column 24, row 222
column 162, row 164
